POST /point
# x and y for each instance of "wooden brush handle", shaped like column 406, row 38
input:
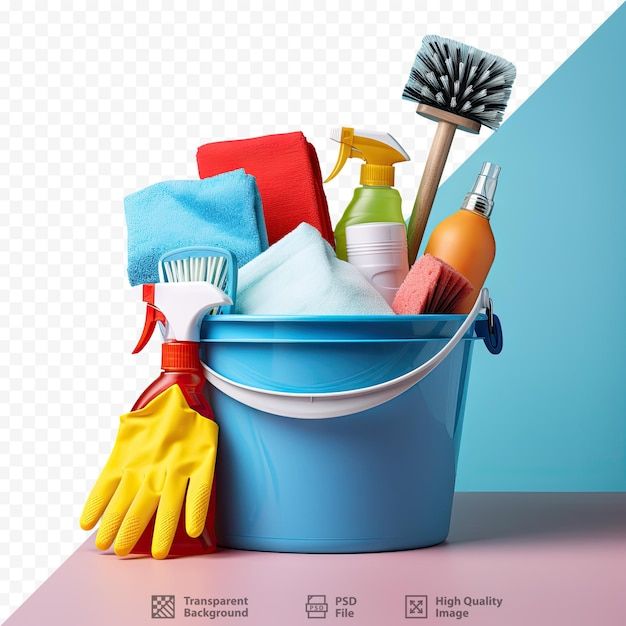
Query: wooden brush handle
column 428, row 186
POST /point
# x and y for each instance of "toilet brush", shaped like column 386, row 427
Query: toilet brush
column 457, row 86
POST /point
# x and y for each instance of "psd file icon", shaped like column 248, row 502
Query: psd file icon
column 316, row 607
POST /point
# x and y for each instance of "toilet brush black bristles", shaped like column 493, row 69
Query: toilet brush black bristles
column 463, row 80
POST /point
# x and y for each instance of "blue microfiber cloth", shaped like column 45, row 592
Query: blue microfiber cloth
column 300, row 275
column 222, row 211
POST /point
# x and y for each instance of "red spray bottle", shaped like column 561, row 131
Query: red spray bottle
column 180, row 308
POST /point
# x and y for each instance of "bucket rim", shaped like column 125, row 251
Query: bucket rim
column 233, row 328
column 391, row 318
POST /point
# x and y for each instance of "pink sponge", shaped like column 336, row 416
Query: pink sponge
column 431, row 286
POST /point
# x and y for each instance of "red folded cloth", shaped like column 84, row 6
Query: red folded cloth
column 288, row 176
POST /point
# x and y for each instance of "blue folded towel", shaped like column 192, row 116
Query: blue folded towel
column 222, row 211
column 300, row 275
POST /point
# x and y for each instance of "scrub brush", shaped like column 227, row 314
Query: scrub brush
column 457, row 86
column 202, row 263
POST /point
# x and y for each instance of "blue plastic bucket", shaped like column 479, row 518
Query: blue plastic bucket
column 373, row 480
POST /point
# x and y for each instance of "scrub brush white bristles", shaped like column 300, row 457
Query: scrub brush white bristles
column 212, row 269
column 461, row 79
column 197, row 269
column 210, row 264
column 458, row 86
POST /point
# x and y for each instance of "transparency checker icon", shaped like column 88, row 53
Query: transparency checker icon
column 415, row 607
column 163, row 607
column 316, row 607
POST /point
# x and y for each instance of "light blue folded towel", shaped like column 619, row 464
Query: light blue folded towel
column 222, row 211
column 300, row 275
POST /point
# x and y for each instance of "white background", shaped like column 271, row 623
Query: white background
column 99, row 103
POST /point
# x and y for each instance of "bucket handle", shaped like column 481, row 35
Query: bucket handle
column 339, row 403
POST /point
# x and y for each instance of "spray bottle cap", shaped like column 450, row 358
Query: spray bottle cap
column 480, row 198
column 379, row 151
column 182, row 306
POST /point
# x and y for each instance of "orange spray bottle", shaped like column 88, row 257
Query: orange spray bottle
column 465, row 240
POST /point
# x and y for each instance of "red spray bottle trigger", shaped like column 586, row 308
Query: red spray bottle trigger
column 153, row 315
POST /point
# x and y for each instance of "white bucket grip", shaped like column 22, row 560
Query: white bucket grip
column 339, row 403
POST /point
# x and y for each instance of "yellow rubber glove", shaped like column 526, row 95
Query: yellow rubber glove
column 158, row 450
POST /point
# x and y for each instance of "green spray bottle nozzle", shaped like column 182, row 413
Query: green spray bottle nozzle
column 379, row 151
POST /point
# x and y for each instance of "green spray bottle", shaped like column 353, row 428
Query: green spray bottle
column 376, row 200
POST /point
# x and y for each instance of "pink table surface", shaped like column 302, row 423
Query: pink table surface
column 551, row 558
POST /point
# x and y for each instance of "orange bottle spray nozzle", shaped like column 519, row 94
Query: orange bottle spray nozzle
column 480, row 198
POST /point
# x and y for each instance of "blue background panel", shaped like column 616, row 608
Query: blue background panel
column 549, row 413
